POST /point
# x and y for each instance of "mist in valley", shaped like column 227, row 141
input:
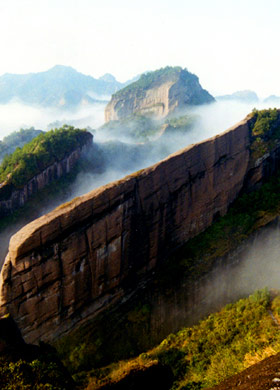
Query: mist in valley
column 118, row 155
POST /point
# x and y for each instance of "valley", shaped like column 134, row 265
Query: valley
column 110, row 274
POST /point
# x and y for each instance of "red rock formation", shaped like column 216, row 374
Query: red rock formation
column 72, row 263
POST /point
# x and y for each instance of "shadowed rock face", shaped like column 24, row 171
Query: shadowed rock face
column 74, row 262
column 159, row 93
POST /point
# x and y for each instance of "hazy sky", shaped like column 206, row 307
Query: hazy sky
column 229, row 44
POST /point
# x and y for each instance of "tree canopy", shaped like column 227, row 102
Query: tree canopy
column 42, row 151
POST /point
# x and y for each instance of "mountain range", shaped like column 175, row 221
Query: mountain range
column 60, row 86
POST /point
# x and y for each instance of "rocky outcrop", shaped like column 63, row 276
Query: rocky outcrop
column 159, row 93
column 12, row 198
column 74, row 262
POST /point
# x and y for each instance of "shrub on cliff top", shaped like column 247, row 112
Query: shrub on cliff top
column 265, row 131
column 264, row 121
column 147, row 80
column 42, row 151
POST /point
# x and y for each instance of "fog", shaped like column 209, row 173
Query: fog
column 256, row 267
column 124, row 156
column 115, row 154
column 16, row 115
column 252, row 266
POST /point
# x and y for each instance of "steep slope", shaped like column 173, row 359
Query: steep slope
column 159, row 93
column 85, row 253
column 60, row 86
column 219, row 346
column 264, row 375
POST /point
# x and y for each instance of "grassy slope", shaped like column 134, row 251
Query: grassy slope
column 223, row 344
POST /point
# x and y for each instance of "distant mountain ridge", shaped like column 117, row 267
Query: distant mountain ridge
column 60, row 86
column 245, row 96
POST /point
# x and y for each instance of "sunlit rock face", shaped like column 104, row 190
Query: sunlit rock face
column 85, row 256
column 158, row 93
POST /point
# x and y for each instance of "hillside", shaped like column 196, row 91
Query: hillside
column 42, row 151
column 17, row 139
column 141, row 128
column 60, row 86
column 25, row 367
column 221, row 345
column 88, row 255
column 261, row 376
column 158, row 93
column 39, row 162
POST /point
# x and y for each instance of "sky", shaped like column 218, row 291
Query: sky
column 229, row 44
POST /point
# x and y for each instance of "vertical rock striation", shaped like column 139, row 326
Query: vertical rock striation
column 70, row 264
column 159, row 93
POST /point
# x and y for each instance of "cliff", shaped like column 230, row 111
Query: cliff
column 13, row 197
column 159, row 93
column 70, row 264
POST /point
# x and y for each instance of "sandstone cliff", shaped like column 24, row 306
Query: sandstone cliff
column 159, row 93
column 72, row 263
column 12, row 198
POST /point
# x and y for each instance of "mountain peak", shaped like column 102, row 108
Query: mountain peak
column 62, row 68
column 109, row 78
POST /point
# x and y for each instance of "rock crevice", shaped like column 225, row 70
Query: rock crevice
column 72, row 263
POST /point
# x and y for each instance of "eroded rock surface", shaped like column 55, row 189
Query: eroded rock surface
column 159, row 93
column 72, row 263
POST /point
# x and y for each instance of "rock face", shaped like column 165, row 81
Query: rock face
column 159, row 93
column 74, row 262
column 18, row 197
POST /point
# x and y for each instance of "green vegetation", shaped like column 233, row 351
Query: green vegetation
column 17, row 139
column 265, row 120
column 16, row 169
column 94, row 346
column 137, row 128
column 140, row 128
column 265, row 131
column 223, row 344
column 31, row 375
column 181, row 123
column 29, row 367
column 248, row 213
column 151, row 79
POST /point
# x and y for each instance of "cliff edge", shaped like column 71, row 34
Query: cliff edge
column 158, row 93
column 76, row 261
